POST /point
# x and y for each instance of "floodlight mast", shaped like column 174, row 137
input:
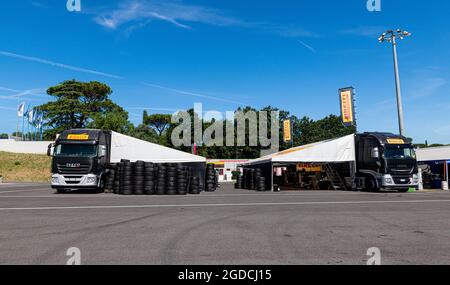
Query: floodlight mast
column 391, row 37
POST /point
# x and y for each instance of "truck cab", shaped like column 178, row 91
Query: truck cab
column 386, row 161
column 80, row 159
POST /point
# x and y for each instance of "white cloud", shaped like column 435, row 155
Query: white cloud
column 189, row 93
column 9, row 89
column 428, row 87
column 8, row 108
column 174, row 12
column 56, row 64
column 365, row 31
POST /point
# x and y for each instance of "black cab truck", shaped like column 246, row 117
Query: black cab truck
column 385, row 161
column 80, row 159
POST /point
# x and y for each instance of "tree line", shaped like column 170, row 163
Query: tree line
column 88, row 105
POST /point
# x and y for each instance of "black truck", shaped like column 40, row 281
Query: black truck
column 385, row 161
column 80, row 159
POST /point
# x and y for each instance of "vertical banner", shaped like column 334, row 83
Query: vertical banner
column 20, row 110
column 287, row 131
column 346, row 96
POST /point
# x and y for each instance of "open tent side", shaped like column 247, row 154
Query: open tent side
column 334, row 151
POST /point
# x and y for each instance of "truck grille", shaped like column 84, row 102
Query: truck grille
column 81, row 169
column 401, row 180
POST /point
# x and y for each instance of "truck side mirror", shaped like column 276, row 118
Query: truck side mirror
column 102, row 151
column 49, row 149
column 375, row 153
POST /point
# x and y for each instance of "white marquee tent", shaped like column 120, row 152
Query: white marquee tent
column 329, row 151
column 433, row 154
column 133, row 149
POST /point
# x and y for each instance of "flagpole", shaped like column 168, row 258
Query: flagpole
column 18, row 118
column 23, row 127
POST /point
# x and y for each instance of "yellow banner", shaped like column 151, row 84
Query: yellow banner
column 347, row 107
column 79, row 137
column 287, row 130
column 309, row 167
column 395, row 141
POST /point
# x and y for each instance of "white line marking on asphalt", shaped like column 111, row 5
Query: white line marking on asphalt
column 16, row 191
column 320, row 193
column 226, row 205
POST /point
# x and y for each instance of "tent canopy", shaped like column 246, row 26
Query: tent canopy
column 433, row 154
column 329, row 151
column 125, row 147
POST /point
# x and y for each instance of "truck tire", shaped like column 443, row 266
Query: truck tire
column 371, row 185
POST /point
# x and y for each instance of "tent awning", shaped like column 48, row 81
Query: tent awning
column 433, row 154
column 126, row 147
column 329, row 151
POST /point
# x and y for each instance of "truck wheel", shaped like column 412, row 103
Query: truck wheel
column 372, row 185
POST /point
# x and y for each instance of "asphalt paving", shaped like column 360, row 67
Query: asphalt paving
column 232, row 227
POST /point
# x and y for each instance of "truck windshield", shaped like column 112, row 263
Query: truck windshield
column 75, row 150
column 396, row 152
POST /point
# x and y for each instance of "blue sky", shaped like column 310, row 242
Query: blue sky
column 295, row 55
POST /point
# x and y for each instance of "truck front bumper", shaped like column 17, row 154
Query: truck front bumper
column 88, row 181
column 394, row 183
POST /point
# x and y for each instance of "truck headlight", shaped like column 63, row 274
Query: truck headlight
column 416, row 178
column 55, row 180
column 91, row 180
column 388, row 180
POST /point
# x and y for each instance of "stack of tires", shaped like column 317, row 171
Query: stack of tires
column 256, row 176
column 194, row 186
column 261, row 184
column 210, row 178
column 109, row 178
column 161, row 180
column 171, row 179
column 116, row 187
column 244, row 178
column 182, row 182
column 250, row 181
column 149, row 178
column 239, row 182
column 126, row 178
column 138, row 178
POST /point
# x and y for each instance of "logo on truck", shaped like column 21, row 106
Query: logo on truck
column 73, row 165
column 78, row 137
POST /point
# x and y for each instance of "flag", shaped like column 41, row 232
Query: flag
column 31, row 116
column 20, row 110
column 40, row 120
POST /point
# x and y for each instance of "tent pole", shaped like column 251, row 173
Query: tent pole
column 271, row 177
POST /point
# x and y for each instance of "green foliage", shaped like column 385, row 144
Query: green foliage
column 159, row 122
column 145, row 133
column 79, row 104
column 114, row 120
column 4, row 136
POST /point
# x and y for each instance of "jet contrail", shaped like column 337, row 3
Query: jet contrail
column 310, row 48
column 191, row 93
column 56, row 64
